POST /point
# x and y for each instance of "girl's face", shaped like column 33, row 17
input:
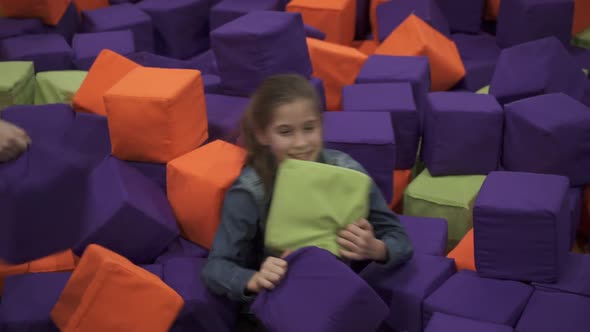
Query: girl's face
column 294, row 132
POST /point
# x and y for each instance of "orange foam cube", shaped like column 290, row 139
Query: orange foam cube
column 401, row 181
column 49, row 11
column 196, row 186
column 107, row 292
column 90, row 4
column 156, row 114
column 464, row 253
column 492, row 7
column 335, row 18
column 108, row 69
column 366, row 47
column 581, row 16
column 337, row 66
column 414, row 37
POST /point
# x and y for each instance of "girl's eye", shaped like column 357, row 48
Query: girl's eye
column 309, row 128
column 284, row 131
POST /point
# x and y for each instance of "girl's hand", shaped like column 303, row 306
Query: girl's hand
column 359, row 243
column 271, row 273
column 13, row 141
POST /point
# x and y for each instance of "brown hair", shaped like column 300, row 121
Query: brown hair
column 274, row 92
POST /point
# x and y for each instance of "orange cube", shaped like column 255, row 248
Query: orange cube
column 581, row 16
column 335, row 18
column 492, row 7
column 464, row 253
column 337, row 66
column 366, row 47
column 196, row 186
column 107, row 292
column 90, row 4
column 414, row 37
column 401, row 181
column 108, row 69
column 156, row 114
column 49, row 11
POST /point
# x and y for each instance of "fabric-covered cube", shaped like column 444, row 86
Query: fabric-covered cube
column 224, row 114
column 82, row 5
column 148, row 59
column 397, row 100
column 581, row 16
column 47, row 51
column 43, row 123
column 547, row 312
column 121, row 17
column 196, row 193
column 477, row 149
column 12, row 27
column 509, row 206
column 464, row 253
column 443, row 323
column 122, row 203
column 463, row 15
column 88, row 137
column 333, row 197
column 534, row 68
column 467, row 295
column 86, row 302
column 405, row 288
column 548, row 134
column 203, row 310
column 320, row 293
column 312, row 32
column 368, row 137
column 206, row 62
column 447, row 197
column 318, row 83
column 521, row 21
column 276, row 45
column 68, row 24
column 414, row 37
column 428, row 235
column 575, row 196
column 17, row 83
column 392, row 13
column 49, row 11
column 58, row 86
column 225, row 11
column 191, row 17
column 182, row 247
column 87, row 46
column 480, row 54
column 336, row 18
column 147, row 97
column 573, row 276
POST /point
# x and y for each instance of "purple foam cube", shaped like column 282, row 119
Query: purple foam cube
column 181, row 26
column 312, row 32
column 47, row 51
column 13, row 27
column 405, row 288
column 276, row 45
column 121, row 17
column 88, row 137
column 212, row 84
column 123, row 204
column 463, row 15
column 153, row 171
column 368, row 137
column 548, row 134
column 87, row 46
column 508, row 206
column 203, row 310
column 428, row 235
column 535, row 68
column 43, row 123
column 444, row 323
column 224, row 114
column 28, row 299
column 226, row 11
column 462, row 134
column 318, row 84
column 467, row 295
column 320, row 293
column 397, row 100
column 392, row 13
column 480, row 54
column 575, row 206
column 182, row 247
column 573, row 276
column 586, row 97
column 155, row 269
column 68, row 24
column 548, row 312
column 205, row 62
column 521, row 21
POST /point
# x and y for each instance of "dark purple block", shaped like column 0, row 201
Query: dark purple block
column 88, row 137
column 87, row 46
column 226, row 11
column 156, row 269
column 43, row 123
column 384, row 68
column 463, row 15
column 479, row 54
column 121, row 17
column 28, row 299
column 362, row 23
column 446, row 323
column 509, row 206
column 535, row 68
column 319, row 86
column 462, row 134
column 575, row 205
column 369, row 138
column 212, row 83
column 118, row 2
column 203, row 310
column 428, row 235
column 155, row 172
column 205, row 62
column 581, row 55
column 392, row 13
column 68, row 25
column 586, row 97
column 467, row 295
column 276, row 45
column 148, row 59
column 224, row 114
column 397, row 100
column 182, row 247
column 573, row 277
column 320, row 293
column 548, row 312
column 548, row 134
column 181, row 26
column 123, row 204
column 405, row 288
column 12, row 27
column 521, row 21
column 314, row 33
column 47, row 51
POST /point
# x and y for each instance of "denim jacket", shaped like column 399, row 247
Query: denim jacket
column 238, row 249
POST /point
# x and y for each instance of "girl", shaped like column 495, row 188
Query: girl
column 284, row 120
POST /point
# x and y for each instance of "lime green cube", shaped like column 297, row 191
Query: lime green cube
column 484, row 91
column 58, row 87
column 17, row 83
column 582, row 39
